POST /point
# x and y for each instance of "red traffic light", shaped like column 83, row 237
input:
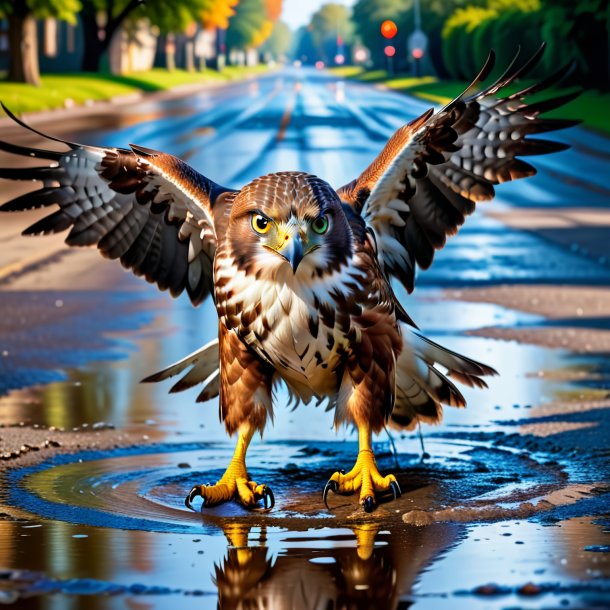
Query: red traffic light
column 388, row 29
column 417, row 53
column 389, row 50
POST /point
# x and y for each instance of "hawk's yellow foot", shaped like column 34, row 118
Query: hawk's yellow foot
column 232, row 486
column 364, row 477
column 235, row 482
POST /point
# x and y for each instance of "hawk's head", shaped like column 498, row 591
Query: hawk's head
column 289, row 220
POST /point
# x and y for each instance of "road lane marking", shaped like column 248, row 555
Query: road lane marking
column 287, row 116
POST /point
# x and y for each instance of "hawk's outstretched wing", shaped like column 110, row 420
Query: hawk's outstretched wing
column 433, row 170
column 150, row 210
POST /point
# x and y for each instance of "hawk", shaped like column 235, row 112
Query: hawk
column 300, row 273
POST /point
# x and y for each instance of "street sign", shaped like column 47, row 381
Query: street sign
column 417, row 44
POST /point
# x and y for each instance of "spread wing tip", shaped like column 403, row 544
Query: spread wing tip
column 11, row 115
column 143, row 151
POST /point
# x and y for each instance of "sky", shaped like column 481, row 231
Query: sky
column 298, row 12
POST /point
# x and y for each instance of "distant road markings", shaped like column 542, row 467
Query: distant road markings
column 287, row 116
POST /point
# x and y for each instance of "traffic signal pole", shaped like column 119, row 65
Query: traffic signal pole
column 389, row 31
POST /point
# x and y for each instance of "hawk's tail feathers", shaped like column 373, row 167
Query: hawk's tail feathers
column 203, row 365
column 421, row 389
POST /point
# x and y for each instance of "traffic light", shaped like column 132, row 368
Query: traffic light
column 417, row 53
column 388, row 29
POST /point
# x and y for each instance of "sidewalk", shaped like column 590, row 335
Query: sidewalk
column 94, row 107
column 584, row 230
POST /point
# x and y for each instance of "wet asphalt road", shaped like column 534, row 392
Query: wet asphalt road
column 113, row 523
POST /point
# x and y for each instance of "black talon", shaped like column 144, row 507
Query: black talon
column 330, row 486
column 393, row 489
column 368, row 504
column 268, row 494
column 195, row 491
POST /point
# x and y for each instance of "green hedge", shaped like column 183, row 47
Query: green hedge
column 573, row 31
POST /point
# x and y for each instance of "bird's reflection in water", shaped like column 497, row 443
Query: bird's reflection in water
column 363, row 570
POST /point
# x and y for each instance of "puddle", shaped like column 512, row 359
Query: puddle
column 45, row 333
column 144, row 488
column 109, row 389
column 113, row 524
column 504, row 558
column 513, row 564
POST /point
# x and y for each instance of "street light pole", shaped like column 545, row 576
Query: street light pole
column 418, row 41
column 340, row 55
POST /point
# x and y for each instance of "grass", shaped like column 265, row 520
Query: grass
column 61, row 90
column 591, row 107
column 346, row 71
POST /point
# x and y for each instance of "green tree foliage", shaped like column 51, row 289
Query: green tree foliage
column 329, row 22
column 65, row 10
column 368, row 15
column 280, row 40
column 23, row 38
column 172, row 17
column 167, row 16
column 578, row 31
column 573, row 31
column 304, row 48
column 246, row 25
column 459, row 34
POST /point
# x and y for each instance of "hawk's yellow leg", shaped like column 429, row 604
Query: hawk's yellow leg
column 235, row 482
column 364, row 476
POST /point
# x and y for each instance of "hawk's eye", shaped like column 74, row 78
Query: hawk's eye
column 260, row 224
column 320, row 224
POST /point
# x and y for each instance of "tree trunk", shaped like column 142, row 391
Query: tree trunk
column 23, row 49
column 97, row 41
column 93, row 46
column 170, row 52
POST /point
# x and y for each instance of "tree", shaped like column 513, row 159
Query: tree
column 279, row 42
column 578, row 31
column 23, row 36
column 169, row 17
column 330, row 22
column 218, row 13
column 459, row 35
column 252, row 23
column 303, row 47
column 574, row 31
column 368, row 17
column 273, row 8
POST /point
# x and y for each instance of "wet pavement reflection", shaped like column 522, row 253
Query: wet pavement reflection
column 505, row 506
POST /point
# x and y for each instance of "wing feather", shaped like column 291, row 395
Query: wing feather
column 148, row 209
column 440, row 165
